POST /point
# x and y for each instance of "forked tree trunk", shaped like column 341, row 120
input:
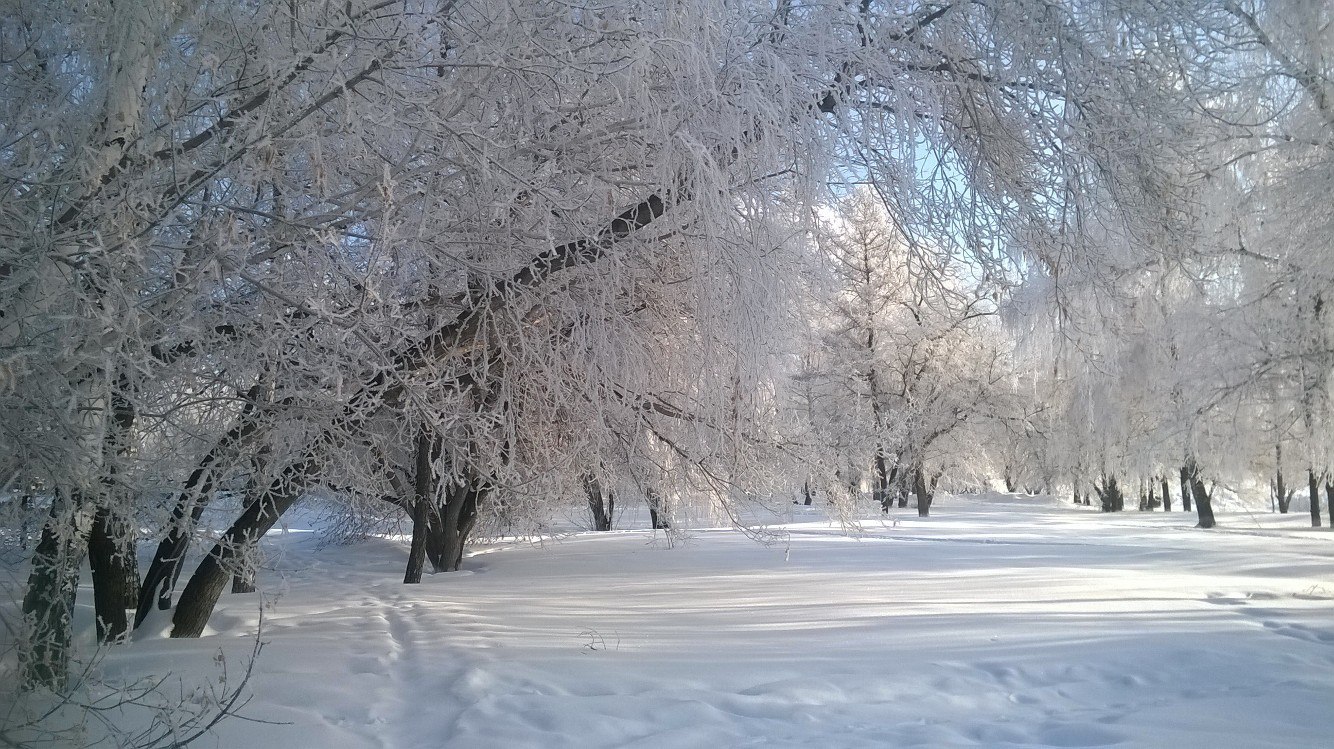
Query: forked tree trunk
column 48, row 603
column 806, row 490
column 600, row 504
column 210, row 578
column 454, row 526
column 1110, row 496
column 1314, row 483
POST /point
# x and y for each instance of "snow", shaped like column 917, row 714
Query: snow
column 999, row 622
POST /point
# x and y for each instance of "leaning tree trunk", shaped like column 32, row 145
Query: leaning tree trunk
column 1314, row 483
column 206, row 585
column 160, row 579
column 1204, row 506
column 48, row 604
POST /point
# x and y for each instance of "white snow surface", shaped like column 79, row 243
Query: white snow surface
column 999, row 622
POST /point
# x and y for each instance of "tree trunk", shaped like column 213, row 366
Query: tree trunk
column 923, row 492
column 1110, row 496
column 205, row 586
column 456, row 522
column 1167, row 496
column 655, row 511
column 600, row 504
column 424, row 496
column 115, row 575
column 880, row 492
column 1010, row 484
column 1204, row 506
column 165, row 569
column 48, row 603
column 1185, row 489
column 243, row 581
column 806, row 490
column 1314, row 482
column 1281, row 493
column 1329, row 497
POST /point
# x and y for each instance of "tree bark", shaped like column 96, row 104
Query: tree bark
column 1204, row 506
column 600, row 504
column 206, row 585
column 457, row 520
column 1185, row 489
column 924, row 492
column 655, row 514
column 115, row 576
column 1282, row 494
column 1167, row 496
column 1329, row 497
column 165, row 569
column 48, row 603
column 423, row 498
column 1314, row 484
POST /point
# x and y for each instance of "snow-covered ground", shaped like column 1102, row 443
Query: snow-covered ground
column 1000, row 622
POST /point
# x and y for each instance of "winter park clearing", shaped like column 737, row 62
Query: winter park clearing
column 1001, row 622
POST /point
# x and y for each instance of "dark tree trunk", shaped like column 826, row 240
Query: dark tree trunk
column 48, row 603
column 1167, row 497
column 655, row 511
column 456, row 523
column 1204, row 506
column 1282, row 494
column 115, row 575
column 1110, row 495
column 201, row 593
column 806, row 490
column 600, row 504
column 244, row 579
column 1185, row 489
column 423, row 499
column 1329, row 497
column 883, row 477
column 1314, row 482
column 165, row 569
column 925, row 493
column 112, row 555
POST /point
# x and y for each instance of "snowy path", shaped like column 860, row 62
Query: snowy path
column 995, row 626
